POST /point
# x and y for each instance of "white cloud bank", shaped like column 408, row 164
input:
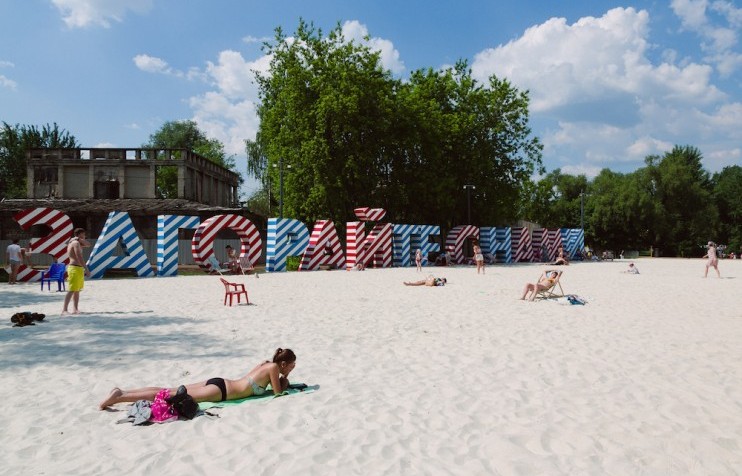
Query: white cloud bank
column 606, row 103
column 83, row 13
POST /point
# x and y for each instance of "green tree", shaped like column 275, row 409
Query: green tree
column 353, row 135
column 15, row 142
column 728, row 197
column 554, row 201
column 683, row 190
column 184, row 135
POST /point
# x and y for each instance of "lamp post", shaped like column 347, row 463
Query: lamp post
column 582, row 212
column 468, row 189
column 280, row 185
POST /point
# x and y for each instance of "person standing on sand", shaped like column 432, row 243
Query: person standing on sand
column 419, row 260
column 713, row 260
column 478, row 256
column 13, row 255
column 76, row 271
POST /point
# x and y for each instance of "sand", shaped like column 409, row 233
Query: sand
column 646, row 378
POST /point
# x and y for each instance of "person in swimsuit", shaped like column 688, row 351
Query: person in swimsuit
column 419, row 260
column 76, row 271
column 13, row 254
column 713, row 260
column 478, row 256
column 561, row 258
column 429, row 281
column 546, row 281
column 218, row 389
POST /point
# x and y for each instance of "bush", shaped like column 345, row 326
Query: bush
column 292, row 263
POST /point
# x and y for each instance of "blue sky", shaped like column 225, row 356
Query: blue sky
column 610, row 82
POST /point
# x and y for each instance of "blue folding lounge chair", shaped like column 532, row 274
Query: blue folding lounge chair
column 55, row 273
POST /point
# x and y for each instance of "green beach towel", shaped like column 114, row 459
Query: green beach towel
column 293, row 389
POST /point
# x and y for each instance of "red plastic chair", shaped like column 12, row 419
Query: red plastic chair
column 234, row 289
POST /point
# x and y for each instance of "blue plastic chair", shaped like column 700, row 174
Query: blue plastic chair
column 54, row 273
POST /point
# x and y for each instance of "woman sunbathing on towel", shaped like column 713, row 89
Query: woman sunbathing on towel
column 545, row 282
column 219, row 389
column 429, row 281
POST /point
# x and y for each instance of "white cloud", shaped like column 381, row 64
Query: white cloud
column 6, row 64
column 152, row 64
column 389, row 56
column 104, row 145
column 82, row 13
column 235, row 77
column 719, row 41
column 7, row 82
column 133, row 126
column 249, row 39
column 608, row 103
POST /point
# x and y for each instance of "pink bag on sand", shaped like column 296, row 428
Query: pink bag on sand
column 161, row 410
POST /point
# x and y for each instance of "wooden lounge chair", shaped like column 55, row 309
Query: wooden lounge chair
column 553, row 291
column 215, row 266
column 246, row 265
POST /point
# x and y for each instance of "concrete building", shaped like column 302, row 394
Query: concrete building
column 127, row 174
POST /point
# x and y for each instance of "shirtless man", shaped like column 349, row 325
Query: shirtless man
column 76, row 271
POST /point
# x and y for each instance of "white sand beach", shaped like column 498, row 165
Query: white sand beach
column 466, row 379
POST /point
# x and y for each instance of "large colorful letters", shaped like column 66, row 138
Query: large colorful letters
column 386, row 243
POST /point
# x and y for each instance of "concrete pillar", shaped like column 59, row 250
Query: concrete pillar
column 60, row 181
column 91, row 179
column 152, row 191
column 29, row 180
column 181, row 181
column 122, row 180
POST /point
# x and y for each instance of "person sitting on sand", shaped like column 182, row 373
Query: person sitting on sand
column 561, row 258
column 429, row 281
column 218, row 389
column 632, row 269
column 546, row 281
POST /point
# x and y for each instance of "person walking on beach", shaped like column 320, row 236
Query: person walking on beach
column 713, row 260
column 217, row 389
column 13, row 255
column 419, row 260
column 76, row 271
column 478, row 256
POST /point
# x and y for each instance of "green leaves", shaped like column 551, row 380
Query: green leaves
column 15, row 142
column 354, row 135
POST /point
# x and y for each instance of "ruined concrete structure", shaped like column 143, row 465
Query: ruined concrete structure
column 127, row 174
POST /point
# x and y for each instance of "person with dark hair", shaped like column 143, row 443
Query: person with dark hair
column 429, row 281
column 217, row 389
column 76, row 270
column 233, row 262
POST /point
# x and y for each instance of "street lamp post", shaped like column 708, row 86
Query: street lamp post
column 280, row 185
column 468, row 189
column 582, row 212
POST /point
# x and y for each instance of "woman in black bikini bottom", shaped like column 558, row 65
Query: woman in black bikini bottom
column 217, row 389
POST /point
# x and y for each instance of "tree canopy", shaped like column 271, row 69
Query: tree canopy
column 15, row 142
column 184, row 135
column 671, row 203
column 344, row 133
